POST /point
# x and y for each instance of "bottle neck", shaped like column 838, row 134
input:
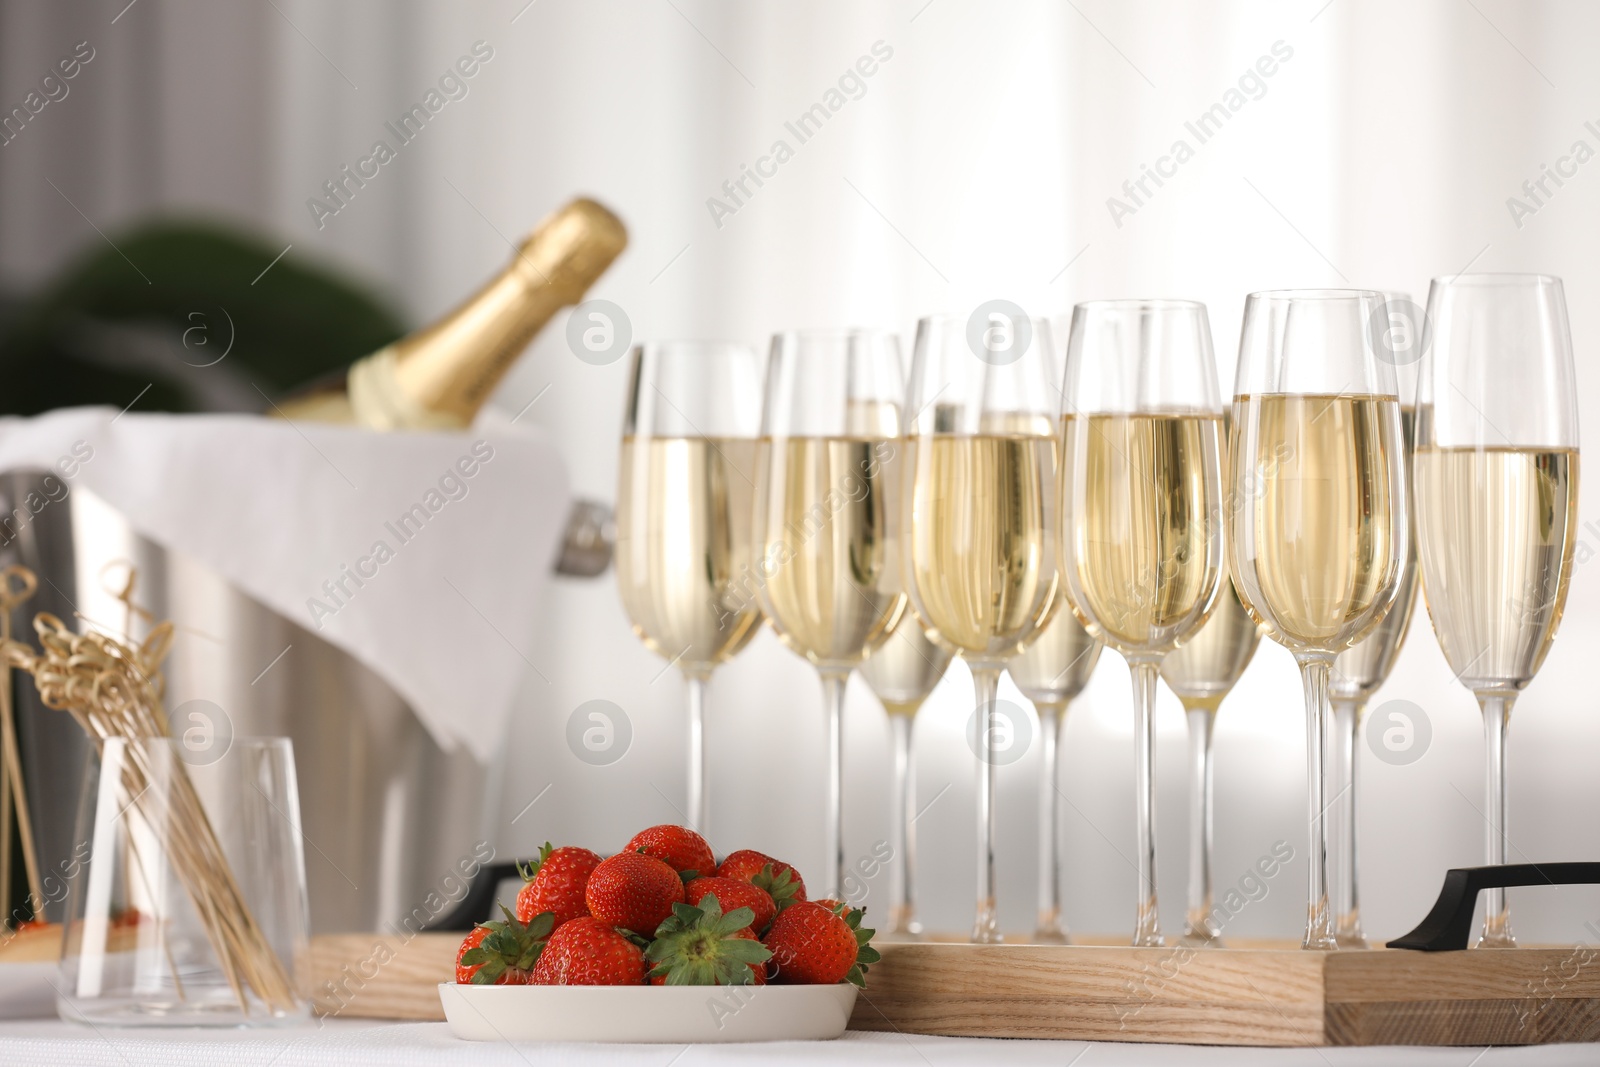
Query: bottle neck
column 442, row 375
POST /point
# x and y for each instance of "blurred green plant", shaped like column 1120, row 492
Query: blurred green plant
column 201, row 323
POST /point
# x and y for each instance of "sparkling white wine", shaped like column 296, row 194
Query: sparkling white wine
column 1138, row 496
column 1495, row 533
column 1058, row 661
column 1205, row 668
column 1361, row 669
column 981, row 553
column 685, row 559
column 906, row 668
column 826, row 512
column 1313, row 549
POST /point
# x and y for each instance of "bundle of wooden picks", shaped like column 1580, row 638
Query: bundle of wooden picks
column 114, row 689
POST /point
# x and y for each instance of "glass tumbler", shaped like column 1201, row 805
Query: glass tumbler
column 188, row 905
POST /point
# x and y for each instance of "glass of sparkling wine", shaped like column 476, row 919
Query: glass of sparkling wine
column 902, row 672
column 1141, row 486
column 1318, row 514
column 685, row 504
column 981, row 452
column 1051, row 671
column 1496, row 468
column 1202, row 671
column 1359, row 671
column 827, row 516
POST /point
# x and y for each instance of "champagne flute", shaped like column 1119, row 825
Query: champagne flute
column 902, row 672
column 1361, row 670
column 1202, row 671
column 1497, row 501
column 827, row 516
column 1319, row 516
column 1051, row 671
column 982, row 554
column 1140, row 483
column 684, row 505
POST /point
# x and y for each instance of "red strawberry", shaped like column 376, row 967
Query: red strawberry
column 633, row 891
column 464, row 972
column 555, row 883
column 732, row 893
column 781, row 881
column 677, row 846
column 502, row 953
column 586, row 951
column 812, row 945
column 704, row 946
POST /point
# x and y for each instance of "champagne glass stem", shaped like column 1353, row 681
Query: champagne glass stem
column 698, row 778
column 902, row 818
column 1199, row 926
column 1346, row 898
column 1147, row 922
column 986, row 686
column 833, row 686
column 1050, row 926
column 1314, row 671
column 1496, row 911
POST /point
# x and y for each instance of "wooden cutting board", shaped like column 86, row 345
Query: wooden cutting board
column 1254, row 994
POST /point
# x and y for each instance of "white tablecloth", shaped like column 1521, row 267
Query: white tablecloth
column 357, row 1044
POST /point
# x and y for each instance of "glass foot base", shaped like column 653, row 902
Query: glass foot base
column 1500, row 941
column 1200, row 938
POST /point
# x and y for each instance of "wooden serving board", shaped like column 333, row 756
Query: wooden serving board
column 1253, row 994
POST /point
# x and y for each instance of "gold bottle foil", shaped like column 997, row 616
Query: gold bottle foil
column 440, row 376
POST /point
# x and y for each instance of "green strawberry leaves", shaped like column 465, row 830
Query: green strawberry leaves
column 780, row 886
column 510, row 945
column 529, row 870
column 865, row 953
column 698, row 946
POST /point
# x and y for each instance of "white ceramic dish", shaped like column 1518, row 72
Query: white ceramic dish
column 671, row 1014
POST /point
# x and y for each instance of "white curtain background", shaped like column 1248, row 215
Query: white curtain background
column 976, row 164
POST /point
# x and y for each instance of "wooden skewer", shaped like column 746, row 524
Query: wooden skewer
column 12, row 596
column 5, row 837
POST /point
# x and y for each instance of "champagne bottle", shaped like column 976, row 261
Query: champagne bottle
column 441, row 375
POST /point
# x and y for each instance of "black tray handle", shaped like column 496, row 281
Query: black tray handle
column 1448, row 926
column 474, row 908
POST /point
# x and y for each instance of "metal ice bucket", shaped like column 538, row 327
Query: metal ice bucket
column 387, row 813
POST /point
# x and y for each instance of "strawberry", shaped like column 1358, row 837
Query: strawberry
column 781, row 881
column 704, row 946
column 678, row 847
column 731, row 893
column 633, row 891
column 464, row 971
column 555, row 882
column 502, row 953
column 812, row 945
column 587, row 951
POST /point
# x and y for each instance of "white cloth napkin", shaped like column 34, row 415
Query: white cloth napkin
column 421, row 554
